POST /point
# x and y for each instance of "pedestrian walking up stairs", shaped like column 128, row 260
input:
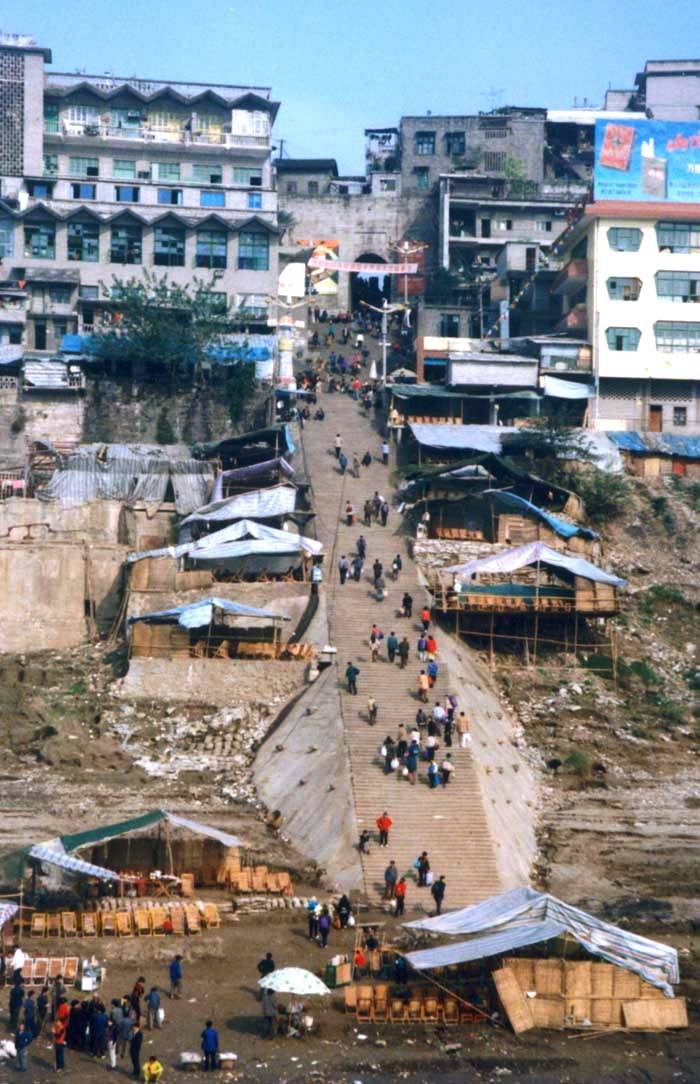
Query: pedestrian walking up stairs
column 450, row 824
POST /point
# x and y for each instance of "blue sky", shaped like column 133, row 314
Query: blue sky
column 338, row 67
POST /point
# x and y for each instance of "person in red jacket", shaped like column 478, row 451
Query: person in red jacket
column 400, row 895
column 384, row 823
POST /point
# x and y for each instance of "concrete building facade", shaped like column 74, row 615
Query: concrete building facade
column 664, row 90
column 104, row 176
column 630, row 285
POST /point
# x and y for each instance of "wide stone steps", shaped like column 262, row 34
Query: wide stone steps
column 450, row 824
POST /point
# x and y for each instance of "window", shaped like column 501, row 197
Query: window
column 83, row 191
column 127, row 193
column 171, row 196
column 14, row 334
column 291, row 187
column 206, row 174
column 678, row 285
column 209, row 122
column 449, row 325
column 40, row 241
column 531, row 259
column 252, row 304
column 218, row 302
column 50, row 116
column 313, row 188
column 678, row 236
column 212, row 199
column 422, row 175
column 454, row 143
column 125, row 244
column 624, row 238
column 251, row 178
column 623, row 338
column 211, row 248
column 680, row 415
column 624, row 289
column 84, row 114
column 83, row 167
column 84, row 241
column 169, row 246
column 253, row 251
column 494, row 161
column 425, row 142
column 51, row 165
column 504, row 223
column 163, row 119
column 40, row 189
column 90, row 293
column 126, row 121
column 254, row 201
column 124, row 169
column 249, row 122
column 543, row 225
column 166, row 171
column 677, row 337
column 387, row 184
column 7, row 237
column 60, row 294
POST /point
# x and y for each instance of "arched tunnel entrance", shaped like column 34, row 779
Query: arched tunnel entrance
column 372, row 289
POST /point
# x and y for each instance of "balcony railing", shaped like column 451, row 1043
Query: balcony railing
column 71, row 130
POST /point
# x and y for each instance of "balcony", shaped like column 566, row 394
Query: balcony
column 13, row 315
column 571, row 278
column 576, row 319
column 567, row 359
column 69, row 130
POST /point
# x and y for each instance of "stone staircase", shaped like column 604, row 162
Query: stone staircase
column 450, row 824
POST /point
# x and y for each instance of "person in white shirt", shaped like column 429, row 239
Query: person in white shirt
column 17, row 965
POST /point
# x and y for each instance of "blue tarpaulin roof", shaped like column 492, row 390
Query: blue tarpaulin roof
column 524, row 916
column 238, row 352
column 560, row 526
column 686, row 446
column 76, row 344
column 197, row 614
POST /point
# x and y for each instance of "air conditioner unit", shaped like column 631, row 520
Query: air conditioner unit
column 144, row 174
column 93, row 171
column 255, row 182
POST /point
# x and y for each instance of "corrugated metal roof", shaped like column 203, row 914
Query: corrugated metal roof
column 46, row 374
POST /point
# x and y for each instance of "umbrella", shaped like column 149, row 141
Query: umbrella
column 373, row 371
column 293, row 980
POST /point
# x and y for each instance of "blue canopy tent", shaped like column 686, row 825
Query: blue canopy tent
column 519, row 504
column 195, row 615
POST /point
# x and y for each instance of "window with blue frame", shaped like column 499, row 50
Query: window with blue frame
column 170, row 196
column 7, row 237
column 253, row 251
column 254, row 201
column 84, row 241
column 126, row 193
column 169, row 246
column 623, row 338
column 677, row 336
column 212, row 199
column 211, row 248
column 40, row 241
column 40, row 189
column 84, row 191
column 125, row 244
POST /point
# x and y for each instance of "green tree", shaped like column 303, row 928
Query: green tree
column 553, row 444
column 165, row 433
column 515, row 172
column 604, row 495
column 162, row 327
column 241, row 385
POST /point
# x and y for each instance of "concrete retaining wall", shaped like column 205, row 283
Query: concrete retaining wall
column 219, row 682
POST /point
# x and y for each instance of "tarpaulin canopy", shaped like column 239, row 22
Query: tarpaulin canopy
column 130, row 472
column 566, row 389
column 533, row 553
column 257, row 504
column 235, row 533
column 478, row 438
column 277, row 438
column 7, row 912
column 687, row 446
column 195, row 615
column 55, row 856
column 244, row 474
column 95, row 836
column 519, row 504
column 524, row 916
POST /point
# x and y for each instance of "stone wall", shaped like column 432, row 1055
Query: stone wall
column 43, row 590
column 362, row 224
column 219, row 682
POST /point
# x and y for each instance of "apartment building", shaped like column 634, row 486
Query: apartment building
column 103, row 175
column 664, row 90
column 630, row 285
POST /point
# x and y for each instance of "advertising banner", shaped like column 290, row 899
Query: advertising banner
column 324, row 279
column 650, row 161
column 371, row 269
column 292, row 280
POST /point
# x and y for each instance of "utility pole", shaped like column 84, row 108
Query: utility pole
column 385, row 312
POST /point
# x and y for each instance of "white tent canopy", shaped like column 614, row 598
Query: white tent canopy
column 533, row 553
column 258, row 504
column 235, row 533
column 524, row 916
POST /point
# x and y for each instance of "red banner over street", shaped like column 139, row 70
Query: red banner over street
column 364, row 268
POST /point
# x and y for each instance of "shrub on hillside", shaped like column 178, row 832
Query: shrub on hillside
column 604, row 495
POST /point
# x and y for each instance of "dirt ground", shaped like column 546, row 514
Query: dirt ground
column 220, row 982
